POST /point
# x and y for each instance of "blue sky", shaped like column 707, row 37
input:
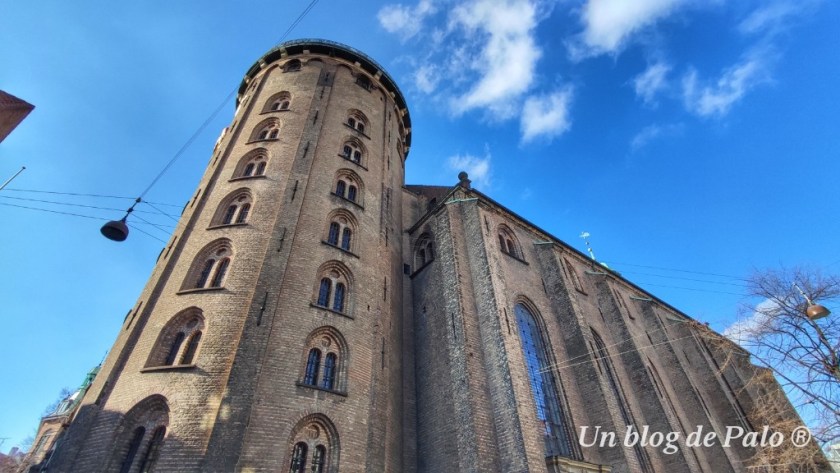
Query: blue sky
column 695, row 140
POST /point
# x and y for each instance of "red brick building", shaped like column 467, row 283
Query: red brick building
column 312, row 313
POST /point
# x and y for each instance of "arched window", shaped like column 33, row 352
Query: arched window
column 174, row 349
column 324, row 292
column 140, row 437
column 357, row 120
column 352, row 151
column 508, row 242
column 338, row 299
column 267, row 130
column 325, row 358
column 333, row 288
column 234, row 209
column 179, row 340
column 555, row 427
column 147, row 464
column 424, row 250
column 292, row 66
column 340, row 229
column 252, row 164
column 602, row 358
column 314, row 446
column 210, row 266
column 318, row 459
column 136, row 439
column 348, row 185
column 278, row 102
column 346, row 235
column 192, row 347
column 328, row 381
column 313, row 364
column 572, row 274
column 299, row 458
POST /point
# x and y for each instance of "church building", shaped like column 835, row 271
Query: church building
column 312, row 313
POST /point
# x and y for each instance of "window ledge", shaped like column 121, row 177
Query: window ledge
column 331, row 310
column 421, row 268
column 226, row 225
column 356, row 130
column 319, row 388
column 153, row 369
column 261, row 141
column 275, row 111
column 350, row 160
column 345, row 199
column 242, row 178
column 516, row 258
column 200, row 289
column 340, row 249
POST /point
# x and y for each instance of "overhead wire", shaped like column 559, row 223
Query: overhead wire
column 218, row 109
column 161, row 211
column 677, row 270
column 78, row 194
column 147, row 233
column 71, row 204
column 72, row 215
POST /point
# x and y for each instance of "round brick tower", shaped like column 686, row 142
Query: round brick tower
column 269, row 336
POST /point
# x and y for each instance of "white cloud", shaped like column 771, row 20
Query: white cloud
column 718, row 98
column 769, row 17
column 609, row 23
column 742, row 331
column 503, row 33
column 652, row 132
column 651, row 81
column 546, row 115
column 477, row 168
column 484, row 59
column 426, row 78
column 405, row 21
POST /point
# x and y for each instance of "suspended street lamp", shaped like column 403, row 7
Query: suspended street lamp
column 814, row 311
column 117, row 230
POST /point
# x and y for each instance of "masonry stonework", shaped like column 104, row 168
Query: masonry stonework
column 344, row 321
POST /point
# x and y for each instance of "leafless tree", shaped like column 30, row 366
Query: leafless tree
column 802, row 353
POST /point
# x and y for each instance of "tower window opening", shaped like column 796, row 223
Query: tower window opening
column 352, row 152
column 278, row 102
column 178, row 341
column 234, row 209
column 340, row 229
column 252, row 165
column 292, row 66
column 267, row 132
column 210, row 267
column 324, row 356
column 357, row 121
column 348, row 185
column 332, row 291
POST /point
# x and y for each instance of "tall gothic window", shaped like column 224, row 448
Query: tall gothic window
column 602, row 356
column 555, row 425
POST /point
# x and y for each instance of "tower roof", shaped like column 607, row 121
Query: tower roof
column 333, row 49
